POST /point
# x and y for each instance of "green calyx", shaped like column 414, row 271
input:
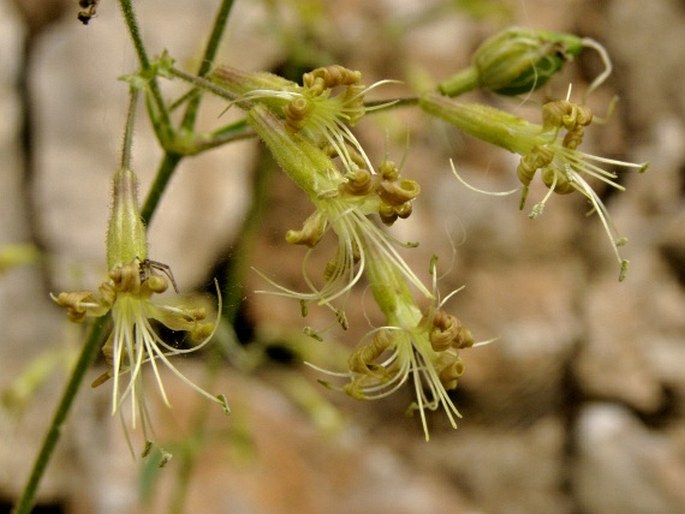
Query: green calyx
column 126, row 235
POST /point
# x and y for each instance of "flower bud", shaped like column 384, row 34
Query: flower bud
column 515, row 61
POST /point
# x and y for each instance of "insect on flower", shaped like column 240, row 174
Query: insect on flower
column 134, row 340
column 127, row 295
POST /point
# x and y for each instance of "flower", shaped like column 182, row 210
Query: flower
column 127, row 295
column 418, row 345
column 343, row 202
column 307, row 129
column 551, row 147
column 329, row 101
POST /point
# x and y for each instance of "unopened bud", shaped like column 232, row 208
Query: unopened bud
column 515, row 61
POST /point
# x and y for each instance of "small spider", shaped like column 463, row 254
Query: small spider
column 147, row 268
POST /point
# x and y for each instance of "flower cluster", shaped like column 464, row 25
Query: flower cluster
column 317, row 150
column 551, row 147
column 306, row 128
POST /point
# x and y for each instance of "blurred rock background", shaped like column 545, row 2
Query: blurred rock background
column 579, row 405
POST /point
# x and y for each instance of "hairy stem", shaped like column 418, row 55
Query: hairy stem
column 203, row 83
column 164, row 173
column 134, row 30
column 171, row 159
column 128, row 131
column 211, row 50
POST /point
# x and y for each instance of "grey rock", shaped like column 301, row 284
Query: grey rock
column 624, row 467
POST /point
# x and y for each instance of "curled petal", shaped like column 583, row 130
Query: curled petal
column 398, row 193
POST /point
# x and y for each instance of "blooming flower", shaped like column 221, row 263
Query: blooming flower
column 343, row 202
column 418, row 345
column 127, row 295
column 313, row 109
column 307, row 128
column 551, row 147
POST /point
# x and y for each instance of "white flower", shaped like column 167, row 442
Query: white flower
column 417, row 346
column 134, row 341
column 551, row 148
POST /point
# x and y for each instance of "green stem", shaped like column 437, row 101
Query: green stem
column 202, row 83
column 171, row 159
column 459, row 83
column 128, row 130
column 90, row 349
column 186, row 97
column 164, row 173
column 233, row 132
column 211, row 50
column 132, row 24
